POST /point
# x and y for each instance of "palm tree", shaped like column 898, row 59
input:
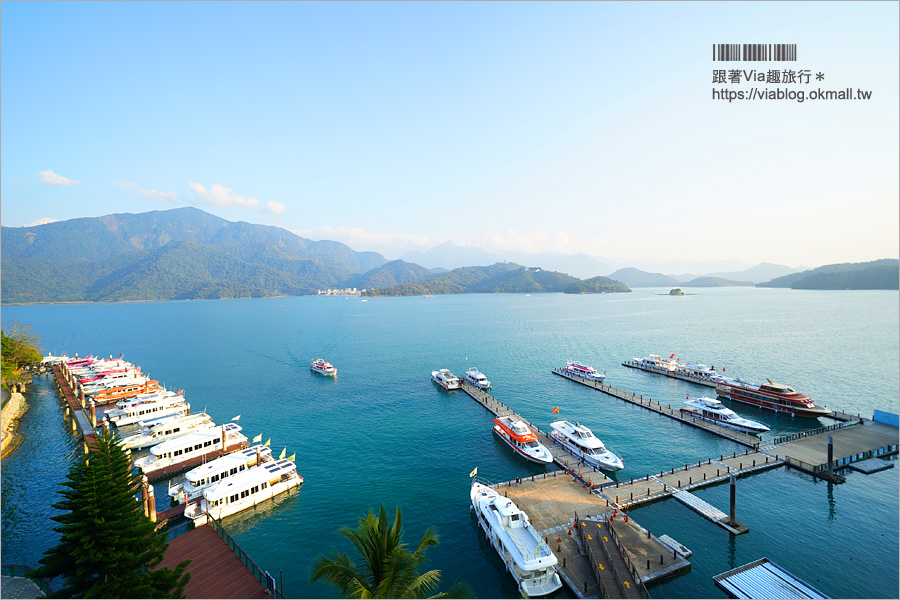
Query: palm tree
column 389, row 569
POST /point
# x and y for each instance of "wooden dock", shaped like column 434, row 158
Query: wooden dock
column 667, row 410
column 81, row 424
column 631, row 364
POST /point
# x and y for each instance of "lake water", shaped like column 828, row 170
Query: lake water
column 383, row 433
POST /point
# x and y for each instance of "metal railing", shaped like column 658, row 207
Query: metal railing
column 262, row 576
column 631, row 568
column 20, row 571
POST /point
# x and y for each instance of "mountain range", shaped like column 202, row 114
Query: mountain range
column 186, row 253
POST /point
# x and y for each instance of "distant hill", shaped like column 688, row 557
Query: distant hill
column 636, row 278
column 497, row 278
column 175, row 254
column 883, row 274
column 714, row 282
column 396, row 272
column 596, row 285
column 761, row 272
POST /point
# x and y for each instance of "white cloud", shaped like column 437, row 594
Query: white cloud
column 125, row 185
column 158, row 195
column 43, row 221
column 48, row 177
column 221, row 196
column 274, row 207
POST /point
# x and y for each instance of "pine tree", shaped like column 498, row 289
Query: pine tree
column 107, row 548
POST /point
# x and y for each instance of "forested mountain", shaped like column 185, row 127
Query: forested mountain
column 497, row 278
column 396, row 272
column 881, row 274
column 596, row 285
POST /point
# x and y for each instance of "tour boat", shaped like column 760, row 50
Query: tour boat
column 148, row 409
column 115, row 381
column 184, row 451
column 576, row 368
column 445, row 379
column 773, row 396
column 582, row 443
column 712, row 410
column 322, row 367
column 521, row 439
column 654, row 362
column 166, row 430
column 477, row 378
column 527, row 556
column 208, row 474
column 243, row 490
column 125, row 391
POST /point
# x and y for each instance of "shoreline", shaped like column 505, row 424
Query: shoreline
column 14, row 410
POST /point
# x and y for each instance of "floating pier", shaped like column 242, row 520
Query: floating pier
column 632, row 364
column 667, row 410
column 764, row 579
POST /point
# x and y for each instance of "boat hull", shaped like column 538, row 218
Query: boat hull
column 250, row 501
column 535, row 458
column 772, row 404
column 728, row 424
column 163, row 472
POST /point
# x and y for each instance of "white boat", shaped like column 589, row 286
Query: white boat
column 521, row 439
column 477, row 378
column 576, row 368
column 211, row 441
column 526, row 556
column 148, row 409
column 712, row 410
column 655, row 361
column 581, row 442
column 209, row 474
column 243, row 490
column 166, row 430
column 322, row 367
column 445, row 379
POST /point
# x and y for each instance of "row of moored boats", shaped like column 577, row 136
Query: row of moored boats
column 228, row 474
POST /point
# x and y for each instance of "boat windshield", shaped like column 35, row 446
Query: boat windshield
column 531, row 444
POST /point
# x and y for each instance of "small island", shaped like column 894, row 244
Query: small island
column 676, row 292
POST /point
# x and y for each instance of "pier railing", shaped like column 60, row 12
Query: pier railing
column 263, row 576
column 628, row 563
column 20, row 571
column 803, row 434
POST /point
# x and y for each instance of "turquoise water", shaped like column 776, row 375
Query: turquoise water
column 382, row 432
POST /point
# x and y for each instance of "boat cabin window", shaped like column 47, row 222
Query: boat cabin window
column 233, row 498
column 265, row 484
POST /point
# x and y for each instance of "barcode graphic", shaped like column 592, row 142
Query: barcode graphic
column 753, row 52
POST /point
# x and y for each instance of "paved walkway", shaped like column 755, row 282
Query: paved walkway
column 19, row 587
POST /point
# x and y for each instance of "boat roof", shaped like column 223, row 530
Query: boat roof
column 223, row 463
column 182, row 420
column 516, row 427
column 577, row 432
column 251, row 476
column 194, row 437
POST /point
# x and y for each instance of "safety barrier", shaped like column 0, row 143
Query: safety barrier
column 263, row 576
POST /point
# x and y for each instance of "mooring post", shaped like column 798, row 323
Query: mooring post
column 830, row 454
column 733, row 491
column 93, row 413
column 151, row 500
column 144, row 495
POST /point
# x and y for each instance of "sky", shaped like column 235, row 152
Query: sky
column 528, row 127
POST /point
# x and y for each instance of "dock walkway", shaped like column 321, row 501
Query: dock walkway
column 667, row 410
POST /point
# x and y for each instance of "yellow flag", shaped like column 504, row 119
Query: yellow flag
column 472, row 474
column 538, row 549
column 283, row 453
column 292, row 457
column 257, row 438
column 268, row 442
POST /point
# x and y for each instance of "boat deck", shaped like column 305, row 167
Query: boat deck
column 216, row 571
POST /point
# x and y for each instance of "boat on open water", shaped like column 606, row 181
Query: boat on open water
column 582, row 443
column 712, row 410
column 520, row 438
column 323, row 368
column 526, row 556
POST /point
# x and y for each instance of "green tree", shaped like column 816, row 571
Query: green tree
column 107, row 548
column 388, row 569
column 20, row 346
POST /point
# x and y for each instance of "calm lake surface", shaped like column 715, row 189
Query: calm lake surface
column 383, row 433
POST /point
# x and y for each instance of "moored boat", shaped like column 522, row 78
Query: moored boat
column 323, row 368
column 148, row 409
column 124, row 392
column 209, row 474
column 166, row 430
column 243, row 490
column 576, row 368
column 712, row 410
column 582, row 443
column 521, row 439
column 773, row 396
column 445, row 379
column 477, row 378
column 527, row 558
column 199, row 446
